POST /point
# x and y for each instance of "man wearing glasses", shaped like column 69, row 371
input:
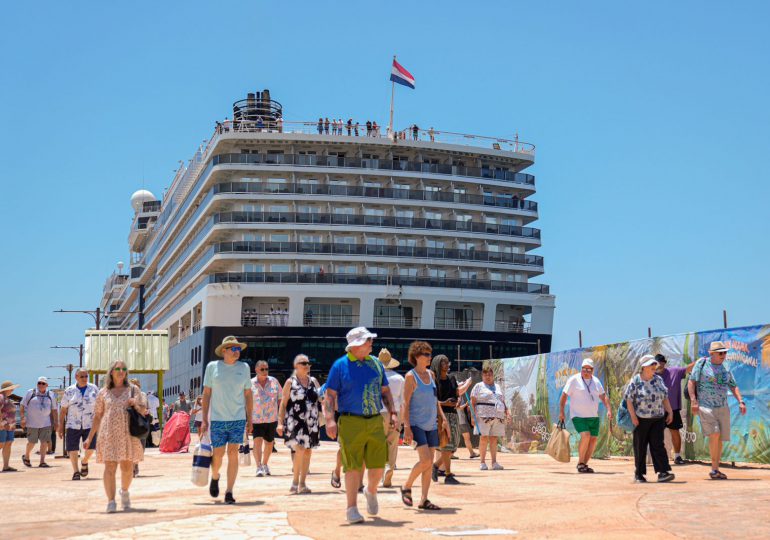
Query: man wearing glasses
column 358, row 385
column 584, row 392
column 227, row 406
column 708, row 386
column 77, row 416
column 38, row 416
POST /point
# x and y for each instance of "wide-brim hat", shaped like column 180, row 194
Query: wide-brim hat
column 8, row 385
column 229, row 341
column 387, row 360
column 718, row 346
column 358, row 336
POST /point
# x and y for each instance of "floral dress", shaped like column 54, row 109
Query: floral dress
column 301, row 423
column 114, row 442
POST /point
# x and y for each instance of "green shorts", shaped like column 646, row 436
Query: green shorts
column 587, row 424
column 362, row 441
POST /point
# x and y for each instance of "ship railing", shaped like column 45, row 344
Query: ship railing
column 322, row 128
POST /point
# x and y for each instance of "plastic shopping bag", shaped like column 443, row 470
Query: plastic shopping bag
column 558, row 443
column 202, row 462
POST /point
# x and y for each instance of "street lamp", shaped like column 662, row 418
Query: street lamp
column 69, row 368
column 97, row 313
column 78, row 348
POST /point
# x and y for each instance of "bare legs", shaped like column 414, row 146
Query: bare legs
column 490, row 441
column 586, row 447
column 469, row 444
column 422, row 469
column 126, row 476
column 301, row 465
column 715, row 450
column 262, row 451
column 232, row 464
column 6, row 451
column 676, row 440
column 43, row 450
column 354, row 479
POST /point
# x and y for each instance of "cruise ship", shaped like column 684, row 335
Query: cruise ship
column 287, row 234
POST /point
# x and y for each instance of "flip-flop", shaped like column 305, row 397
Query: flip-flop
column 406, row 497
column 44, row 465
column 9, row 469
column 26, row 461
column 427, row 505
column 336, row 483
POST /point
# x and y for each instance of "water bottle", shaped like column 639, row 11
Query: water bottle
column 201, row 463
column 244, row 453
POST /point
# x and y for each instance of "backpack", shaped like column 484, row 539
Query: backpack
column 699, row 367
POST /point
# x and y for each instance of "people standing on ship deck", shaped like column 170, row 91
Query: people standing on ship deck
column 326, row 126
column 350, row 126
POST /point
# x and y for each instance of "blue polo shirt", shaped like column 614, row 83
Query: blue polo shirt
column 358, row 384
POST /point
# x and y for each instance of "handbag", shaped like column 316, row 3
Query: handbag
column 623, row 417
column 138, row 424
column 558, row 443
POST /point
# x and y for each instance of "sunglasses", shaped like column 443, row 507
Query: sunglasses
column 263, row 370
column 81, row 376
column 42, row 384
column 120, row 369
column 302, row 364
column 235, row 349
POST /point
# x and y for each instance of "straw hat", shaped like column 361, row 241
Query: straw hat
column 8, row 385
column 229, row 341
column 387, row 360
column 718, row 346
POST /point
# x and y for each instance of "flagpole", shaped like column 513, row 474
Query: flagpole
column 392, row 96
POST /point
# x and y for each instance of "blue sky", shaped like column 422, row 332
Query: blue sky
column 650, row 120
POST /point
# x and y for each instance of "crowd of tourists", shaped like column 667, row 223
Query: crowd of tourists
column 368, row 407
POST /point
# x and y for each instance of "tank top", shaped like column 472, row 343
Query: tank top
column 423, row 407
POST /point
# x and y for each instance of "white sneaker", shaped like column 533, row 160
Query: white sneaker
column 354, row 516
column 112, row 507
column 483, row 467
column 266, row 470
column 497, row 467
column 260, row 471
column 372, row 506
column 125, row 500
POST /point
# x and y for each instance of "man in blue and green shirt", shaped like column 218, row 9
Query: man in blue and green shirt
column 358, row 385
column 708, row 387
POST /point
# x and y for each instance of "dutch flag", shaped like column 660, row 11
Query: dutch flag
column 400, row 75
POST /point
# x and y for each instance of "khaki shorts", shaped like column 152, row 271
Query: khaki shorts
column 491, row 427
column 35, row 435
column 714, row 421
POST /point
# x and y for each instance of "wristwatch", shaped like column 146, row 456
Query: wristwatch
column 742, row 403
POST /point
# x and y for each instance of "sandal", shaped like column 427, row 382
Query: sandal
column 84, row 469
column 717, row 475
column 427, row 505
column 9, row 469
column 406, row 496
column 588, row 469
column 44, row 465
column 302, row 490
column 26, row 461
column 76, row 476
column 336, row 483
column 582, row 468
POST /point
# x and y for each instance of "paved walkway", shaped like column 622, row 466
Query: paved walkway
column 534, row 497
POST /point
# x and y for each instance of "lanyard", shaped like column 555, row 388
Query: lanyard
column 588, row 387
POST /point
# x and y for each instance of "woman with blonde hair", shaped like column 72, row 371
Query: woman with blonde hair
column 115, row 445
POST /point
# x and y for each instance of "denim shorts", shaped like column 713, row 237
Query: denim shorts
column 422, row 437
column 6, row 436
column 227, row 432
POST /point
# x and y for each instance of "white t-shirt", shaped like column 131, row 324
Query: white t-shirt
column 153, row 402
column 583, row 396
column 396, row 385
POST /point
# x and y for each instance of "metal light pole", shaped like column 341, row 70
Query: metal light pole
column 78, row 348
column 97, row 314
column 69, row 368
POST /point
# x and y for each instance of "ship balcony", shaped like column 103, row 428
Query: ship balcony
column 488, row 173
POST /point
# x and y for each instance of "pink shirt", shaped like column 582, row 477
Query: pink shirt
column 266, row 400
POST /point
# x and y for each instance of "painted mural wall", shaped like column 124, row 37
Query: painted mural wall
column 533, row 386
